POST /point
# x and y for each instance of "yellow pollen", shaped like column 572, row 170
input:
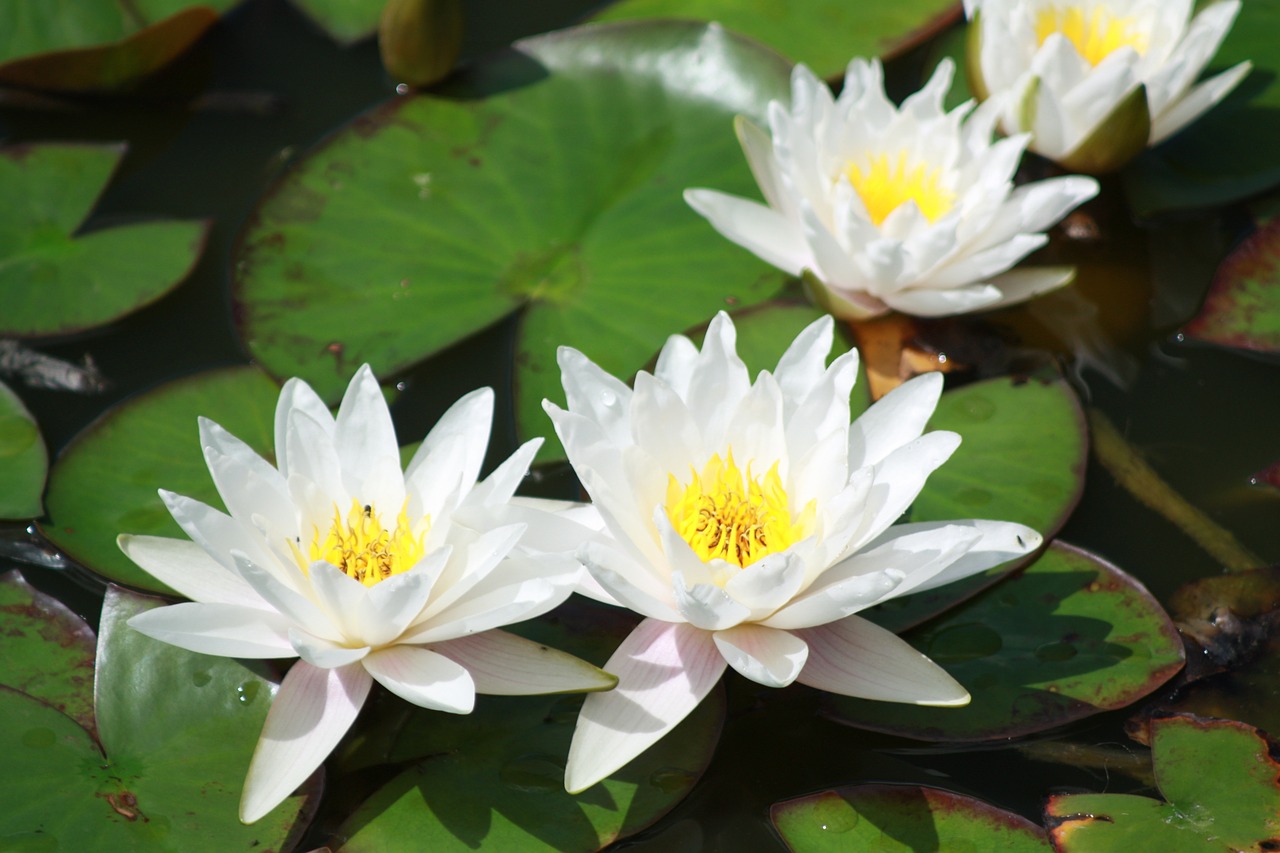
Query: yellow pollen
column 725, row 513
column 1096, row 33
column 886, row 183
column 362, row 548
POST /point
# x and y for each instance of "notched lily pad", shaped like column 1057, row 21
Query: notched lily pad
column 59, row 278
column 1068, row 637
column 901, row 819
column 1220, row 782
column 1242, row 308
column 48, row 650
column 24, row 462
column 493, row 780
column 94, row 497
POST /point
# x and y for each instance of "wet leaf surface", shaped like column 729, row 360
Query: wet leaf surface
column 1242, row 308
column 24, row 462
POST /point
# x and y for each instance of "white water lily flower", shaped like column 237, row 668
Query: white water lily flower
column 365, row 572
column 748, row 523
column 911, row 209
column 1097, row 81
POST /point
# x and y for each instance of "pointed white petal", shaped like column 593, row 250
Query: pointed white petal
column 505, row 664
column 297, row 396
column 466, row 427
column 769, row 235
column 247, row 483
column 188, row 568
column 424, row 678
column 225, row 630
column 1197, row 101
column 997, row 542
column 300, row 610
column 765, row 655
column 768, row 583
column 592, row 392
column 323, row 653
column 366, row 442
column 895, row 419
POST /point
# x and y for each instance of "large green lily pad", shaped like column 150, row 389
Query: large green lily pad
column 48, row 650
column 177, row 730
column 1219, row 781
column 493, row 780
column 1242, row 308
column 549, row 176
column 1068, row 637
column 105, row 481
column 823, row 34
column 24, row 462
column 57, row 278
column 1023, row 453
column 902, row 819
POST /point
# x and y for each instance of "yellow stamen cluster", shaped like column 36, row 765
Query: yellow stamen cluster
column 362, row 548
column 1095, row 31
column 886, row 183
column 727, row 514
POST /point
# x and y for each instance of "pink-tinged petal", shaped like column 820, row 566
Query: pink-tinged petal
column 290, row 604
column 895, row 419
column 188, row 568
column 505, row 664
column 324, row 653
column 313, row 709
column 225, row 630
column 424, row 678
column 765, row 655
column 465, row 426
column 664, row 670
column 297, row 396
column 854, row 657
column 247, row 483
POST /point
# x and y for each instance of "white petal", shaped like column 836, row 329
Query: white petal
column 465, row 427
column 505, row 664
column 719, row 380
column 706, row 605
column 854, row 657
column 1197, row 101
column 301, row 611
column 765, row 655
column 1021, row 284
column 225, row 630
column 766, row 233
column 944, row 303
column 297, row 396
column 768, row 583
column 311, row 712
column 594, row 393
column 338, row 596
column 664, row 670
column 804, row 364
column 247, row 483
column 424, row 678
column 630, row 583
column 998, row 542
column 367, row 446
column 390, row 606
column 313, row 456
column 499, row 486
column 323, row 653
column 220, row 534
column 675, row 365
column 895, row 419
column 188, row 568
column 899, row 477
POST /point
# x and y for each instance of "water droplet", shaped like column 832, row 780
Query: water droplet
column 38, row 738
column 976, row 409
column 200, row 679
column 534, row 774
column 671, row 780
column 964, row 642
column 1052, row 652
column 608, row 399
column 974, row 497
column 248, row 691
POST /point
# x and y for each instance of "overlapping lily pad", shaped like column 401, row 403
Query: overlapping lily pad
column 1219, row 779
column 901, row 819
column 493, row 780
column 105, row 482
column 1242, row 308
column 48, row 650
column 823, row 34
column 1068, row 637
column 58, row 277
column 23, row 459
column 177, row 730
column 548, row 177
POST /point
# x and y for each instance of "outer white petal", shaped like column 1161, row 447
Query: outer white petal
column 247, row 483
column 804, row 364
column 664, row 670
column 311, row 712
column 424, row 678
column 766, row 233
column 188, row 568
column 366, row 442
column 465, row 426
column 944, row 303
column 854, row 657
column 765, row 655
column 505, row 664
column 999, row 542
column 220, row 534
column 895, row 419
column 297, row 396
column 1018, row 285
column 899, row 478
column 225, row 630
column 834, row 601
column 324, row 653
column 1196, row 102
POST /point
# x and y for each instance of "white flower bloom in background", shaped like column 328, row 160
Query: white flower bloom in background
column 884, row 208
column 1097, row 81
column 748, row 522
column 365, row 572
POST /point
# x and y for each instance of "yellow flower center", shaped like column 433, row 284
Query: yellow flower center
column 362, row 548
column 884, row 184
column 1095, row 32
column 725, row 513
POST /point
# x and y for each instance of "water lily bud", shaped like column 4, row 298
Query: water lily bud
column 420, row 39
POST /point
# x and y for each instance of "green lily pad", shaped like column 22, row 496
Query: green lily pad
column 177, row 730
column 549, row 176
column 49, row 650
column 57, row 278
column 1068, row 637
column 1022, row 458
column 93, row 497
column 823, row 34
column 901, row 819
column 494, row 779
column 1219, row 781
column 24, row 462
column 1217, row 159
column 1242, row 308
column 345, row 20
